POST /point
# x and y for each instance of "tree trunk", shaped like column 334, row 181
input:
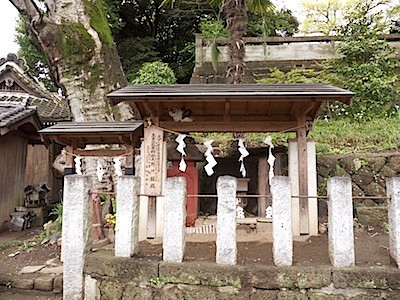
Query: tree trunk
column 76, row 40
column 236, row 22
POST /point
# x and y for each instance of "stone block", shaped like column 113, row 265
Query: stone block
column 174, row 219
column 375, row 189
column 127, row 218
column 340, row 222
column 226, row 221
column 31, row 269
column 322, row 296
column 393, row 192
column 291, row 278
column 44, row 283
column 58, row 284
column 291, row 295
column 22, row 283
column 282, row 221
column 376, row 163
column 363, row 177
column 77, row 227
column 373, row 216
column 133, row 292
column 168, row 292
column 367, row 278
column 52, row 270
column 199, row 273
column 100, row 244
column 198, row 292
column 104, row 263
column 111, row 290
column 394, row 163
column 262, row 295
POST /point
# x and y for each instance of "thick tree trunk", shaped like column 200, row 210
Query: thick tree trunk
column 75, row 37
column 236, row 22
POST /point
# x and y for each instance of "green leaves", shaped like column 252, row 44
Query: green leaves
column 155, row 73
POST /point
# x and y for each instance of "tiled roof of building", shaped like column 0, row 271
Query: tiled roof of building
column 16, row 85
column 49, row 110
column 12, row 112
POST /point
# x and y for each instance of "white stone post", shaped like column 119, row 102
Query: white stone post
column 282, row 221
column 174, row 219
column 393, row 192
column 226, row 221
column 127, row 218
column 77, row 227
column 340, row 222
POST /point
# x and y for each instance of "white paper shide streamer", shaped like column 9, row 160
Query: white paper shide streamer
column 117, row 166
column 100, row 170
column 181, row 149
column 211, row 162
column 271, row 157
column 243, row 153
column 78, row 165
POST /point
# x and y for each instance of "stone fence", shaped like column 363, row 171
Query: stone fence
column 77, row 225
column 262, row 55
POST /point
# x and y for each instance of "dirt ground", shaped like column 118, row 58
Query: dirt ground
column 371, row 248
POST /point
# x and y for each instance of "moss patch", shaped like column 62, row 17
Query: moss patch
column 98, row 20
column 77, row 46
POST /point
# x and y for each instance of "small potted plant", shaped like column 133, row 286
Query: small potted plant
column 110, row 226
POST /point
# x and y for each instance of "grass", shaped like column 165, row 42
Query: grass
column 332, row 136
column 345, row 136
column 9, row 244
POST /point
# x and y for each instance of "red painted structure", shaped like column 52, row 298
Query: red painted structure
column 192, row 188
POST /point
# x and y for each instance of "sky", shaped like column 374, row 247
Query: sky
column 9, row 16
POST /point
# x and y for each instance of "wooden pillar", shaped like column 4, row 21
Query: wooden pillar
column 263, row 185
column 129, row 162
column 303, row 176
column 69, row 159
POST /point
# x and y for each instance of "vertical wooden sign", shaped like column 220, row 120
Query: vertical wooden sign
column 153, row 151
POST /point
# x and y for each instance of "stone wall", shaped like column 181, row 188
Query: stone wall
column 146, row 278
column 368, row 172
column 283, row 53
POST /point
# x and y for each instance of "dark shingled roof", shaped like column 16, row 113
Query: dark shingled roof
column 49, row 110
column 16, row 85
column 11, row 112
column 94, row 132
column 80, row 128
column 328, row 92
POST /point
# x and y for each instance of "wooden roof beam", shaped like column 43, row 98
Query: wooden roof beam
column 232, row 126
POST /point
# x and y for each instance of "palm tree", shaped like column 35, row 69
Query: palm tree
column 235, row 14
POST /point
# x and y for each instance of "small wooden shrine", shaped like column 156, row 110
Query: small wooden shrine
column 240, row 108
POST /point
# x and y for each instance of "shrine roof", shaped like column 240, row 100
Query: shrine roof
column 230, row 108
column 85, row 133
column 251, row 91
